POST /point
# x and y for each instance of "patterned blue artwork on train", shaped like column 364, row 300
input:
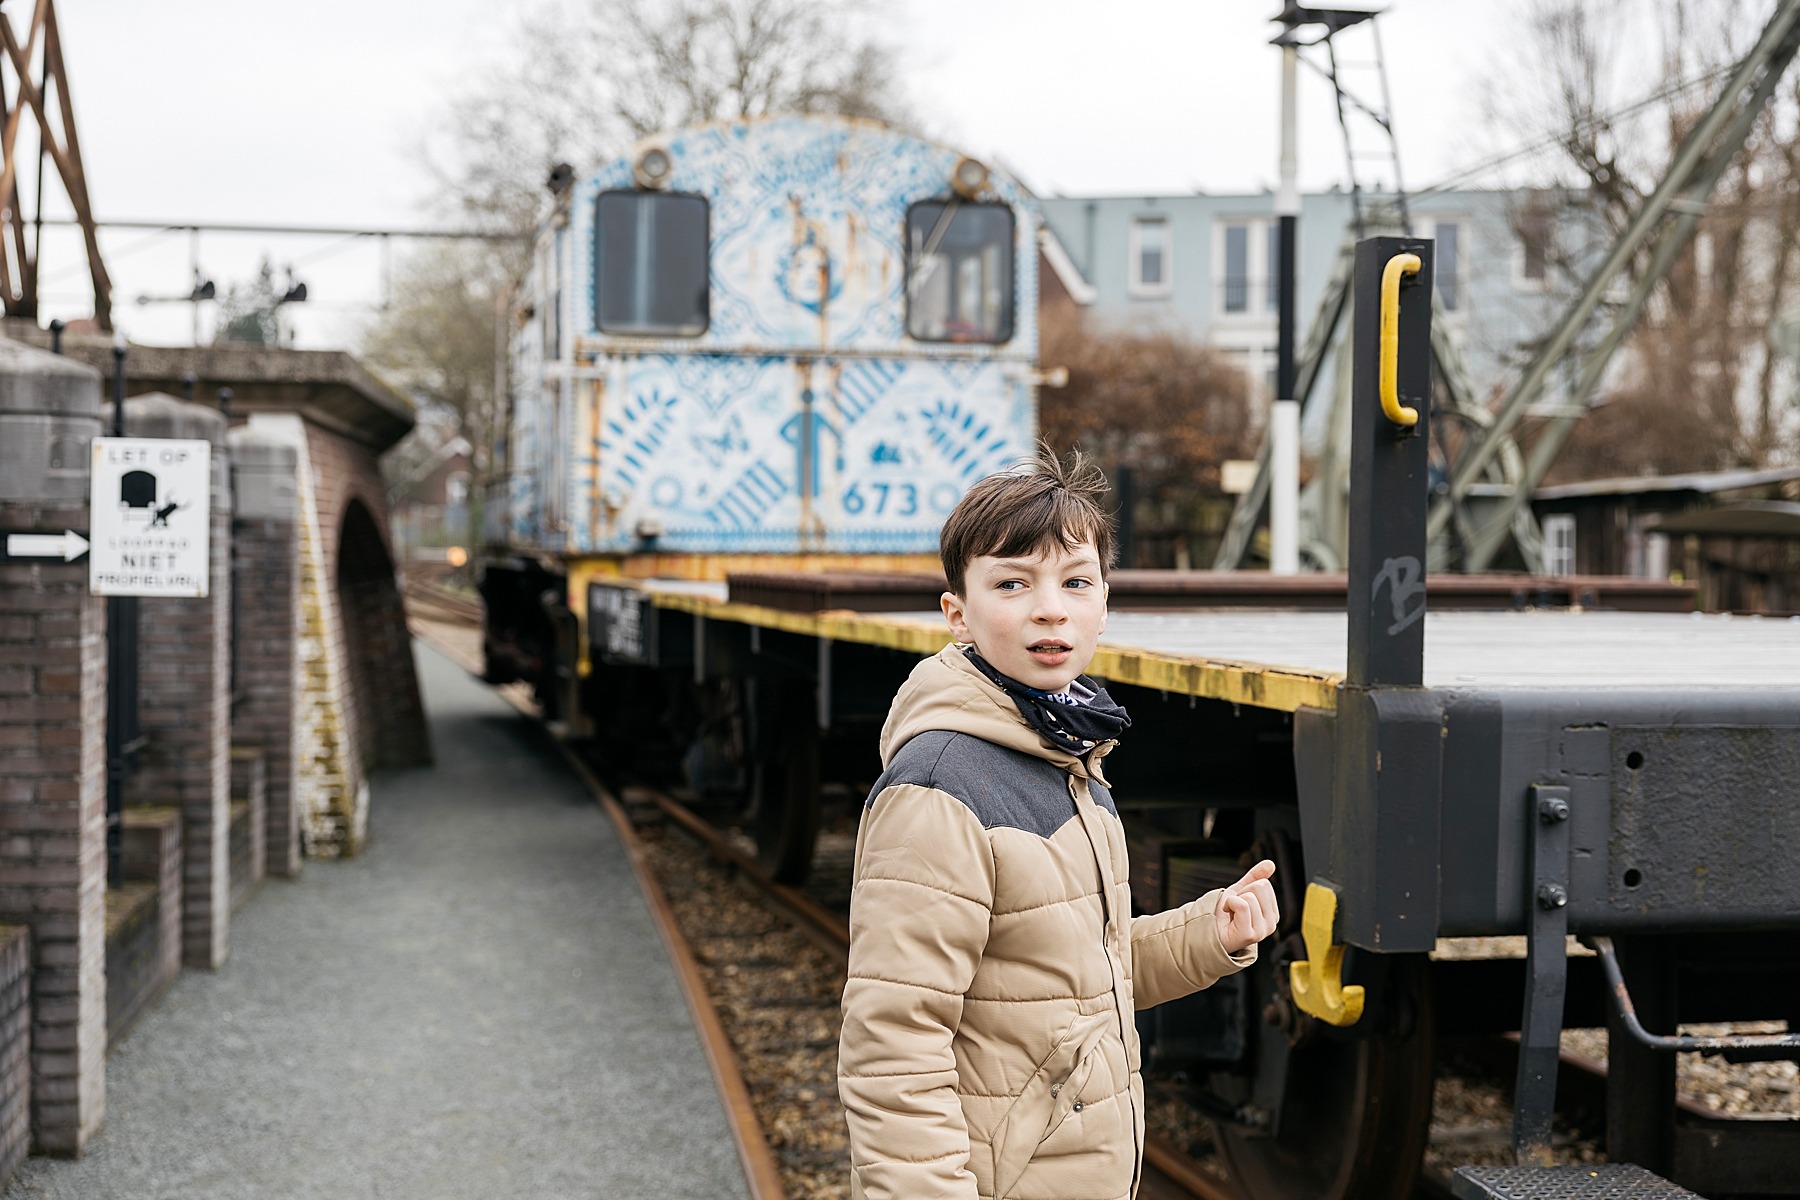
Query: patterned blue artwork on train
column 804, row 418
column 856, row 456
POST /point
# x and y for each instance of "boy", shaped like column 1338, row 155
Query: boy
column 988, row 1044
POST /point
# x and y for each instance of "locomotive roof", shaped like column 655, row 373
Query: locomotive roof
column 794, row 127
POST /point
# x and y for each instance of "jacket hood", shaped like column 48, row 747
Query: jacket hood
column 948, row 692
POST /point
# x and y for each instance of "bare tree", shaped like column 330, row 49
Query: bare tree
column 1168, row 408
column 582, row 79
column 1698, row 386
column 437, row 342
column 576, row 82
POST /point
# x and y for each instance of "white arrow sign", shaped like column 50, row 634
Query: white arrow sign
column 67, row 545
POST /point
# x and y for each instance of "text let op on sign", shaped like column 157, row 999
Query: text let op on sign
column 151, row 513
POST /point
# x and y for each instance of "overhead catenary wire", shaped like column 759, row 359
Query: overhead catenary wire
column 1551, row 140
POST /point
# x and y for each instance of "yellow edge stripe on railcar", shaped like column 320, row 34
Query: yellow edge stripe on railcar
column 1258, row 684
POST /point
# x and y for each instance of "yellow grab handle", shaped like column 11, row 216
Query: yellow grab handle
column 1317, row 982
column 1400, row 264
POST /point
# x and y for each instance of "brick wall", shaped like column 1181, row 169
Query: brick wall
column 387, row 717
column 184, row 702
column 15, row 1048
column 53, row 820
column 143, row 920
column 353, row 657
column 249, row 792
column 266, row 593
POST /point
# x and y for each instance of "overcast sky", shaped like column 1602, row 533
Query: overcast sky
column 313, row 113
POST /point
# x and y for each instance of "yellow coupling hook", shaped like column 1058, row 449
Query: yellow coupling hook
column 1318, row 982
column 1398, row 413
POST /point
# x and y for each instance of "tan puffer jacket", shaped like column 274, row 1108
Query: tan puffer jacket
column 988, row 1044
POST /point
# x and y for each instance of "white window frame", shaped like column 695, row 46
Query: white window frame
column 1465, row 226
column 1134, row 245
column 1259, row 270
column 1559, row 555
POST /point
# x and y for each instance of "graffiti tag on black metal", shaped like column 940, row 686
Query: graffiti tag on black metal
column 1406, row 591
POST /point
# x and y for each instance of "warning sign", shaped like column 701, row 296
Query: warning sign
column 152, row 511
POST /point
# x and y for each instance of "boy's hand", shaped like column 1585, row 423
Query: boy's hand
column 1247, row 912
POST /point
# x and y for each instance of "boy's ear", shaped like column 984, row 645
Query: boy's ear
column 952, row 605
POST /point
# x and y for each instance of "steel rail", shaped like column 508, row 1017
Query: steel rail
column 760, row 1172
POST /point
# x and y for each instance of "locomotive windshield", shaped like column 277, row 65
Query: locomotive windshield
column 651, row 264
column 959, row 271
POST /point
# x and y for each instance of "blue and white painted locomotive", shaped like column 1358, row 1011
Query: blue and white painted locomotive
column 795, row 335
column 791, row 342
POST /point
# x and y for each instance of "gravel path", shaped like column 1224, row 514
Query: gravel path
column 478, row 1006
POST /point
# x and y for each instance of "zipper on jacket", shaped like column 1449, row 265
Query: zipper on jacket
column 1100, row 878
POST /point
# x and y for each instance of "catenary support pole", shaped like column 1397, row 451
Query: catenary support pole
column 1284, row 414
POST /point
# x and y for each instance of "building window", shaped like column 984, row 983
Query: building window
column 651, row 264
column 1271, row 287
column 1559, row 544
column 1237, row 268
column 959, row 271
column 1536, row 229
column 1152, row 257
column 1248, row 252
column 1449, row 265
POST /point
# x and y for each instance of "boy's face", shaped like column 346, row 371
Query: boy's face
column 1036, row 619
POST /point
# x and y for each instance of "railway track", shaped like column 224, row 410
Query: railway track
column 1169, row 1173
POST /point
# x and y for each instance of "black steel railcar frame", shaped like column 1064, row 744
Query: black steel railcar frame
column 1442, row 811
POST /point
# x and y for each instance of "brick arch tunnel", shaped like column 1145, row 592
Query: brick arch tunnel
column 389, row 718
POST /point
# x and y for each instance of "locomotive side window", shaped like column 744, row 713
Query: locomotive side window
column 651, row 263
column 959, row 271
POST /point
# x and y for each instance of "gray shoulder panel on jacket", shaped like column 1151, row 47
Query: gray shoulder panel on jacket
column 1002, row 787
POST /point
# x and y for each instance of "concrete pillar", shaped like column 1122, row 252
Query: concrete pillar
column 53, row 742
column 184, row 697
column 266, row 579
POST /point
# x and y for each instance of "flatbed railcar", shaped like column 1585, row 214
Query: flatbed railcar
column 1675, row 735
column 1422, row 777
column 779, row 343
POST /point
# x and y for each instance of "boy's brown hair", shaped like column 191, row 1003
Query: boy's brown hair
column 1043, row 502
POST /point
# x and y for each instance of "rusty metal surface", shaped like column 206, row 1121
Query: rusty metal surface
column 868, row 591
column 31, row 87
column 1705, row 817
column 1734, row 1046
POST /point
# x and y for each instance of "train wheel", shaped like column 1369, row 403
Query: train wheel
column 1355, row 1112
column 786, row 797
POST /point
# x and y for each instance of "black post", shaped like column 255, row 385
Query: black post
column 225, row 398
column 1546, row 974
column 121, row 678
column 56, row 332
column 118, row 424
column 1125, row 497
column 1388, row 489
column 1284, row 334
column 1385, row 819
column 1640, row 1082
column 187, row 386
